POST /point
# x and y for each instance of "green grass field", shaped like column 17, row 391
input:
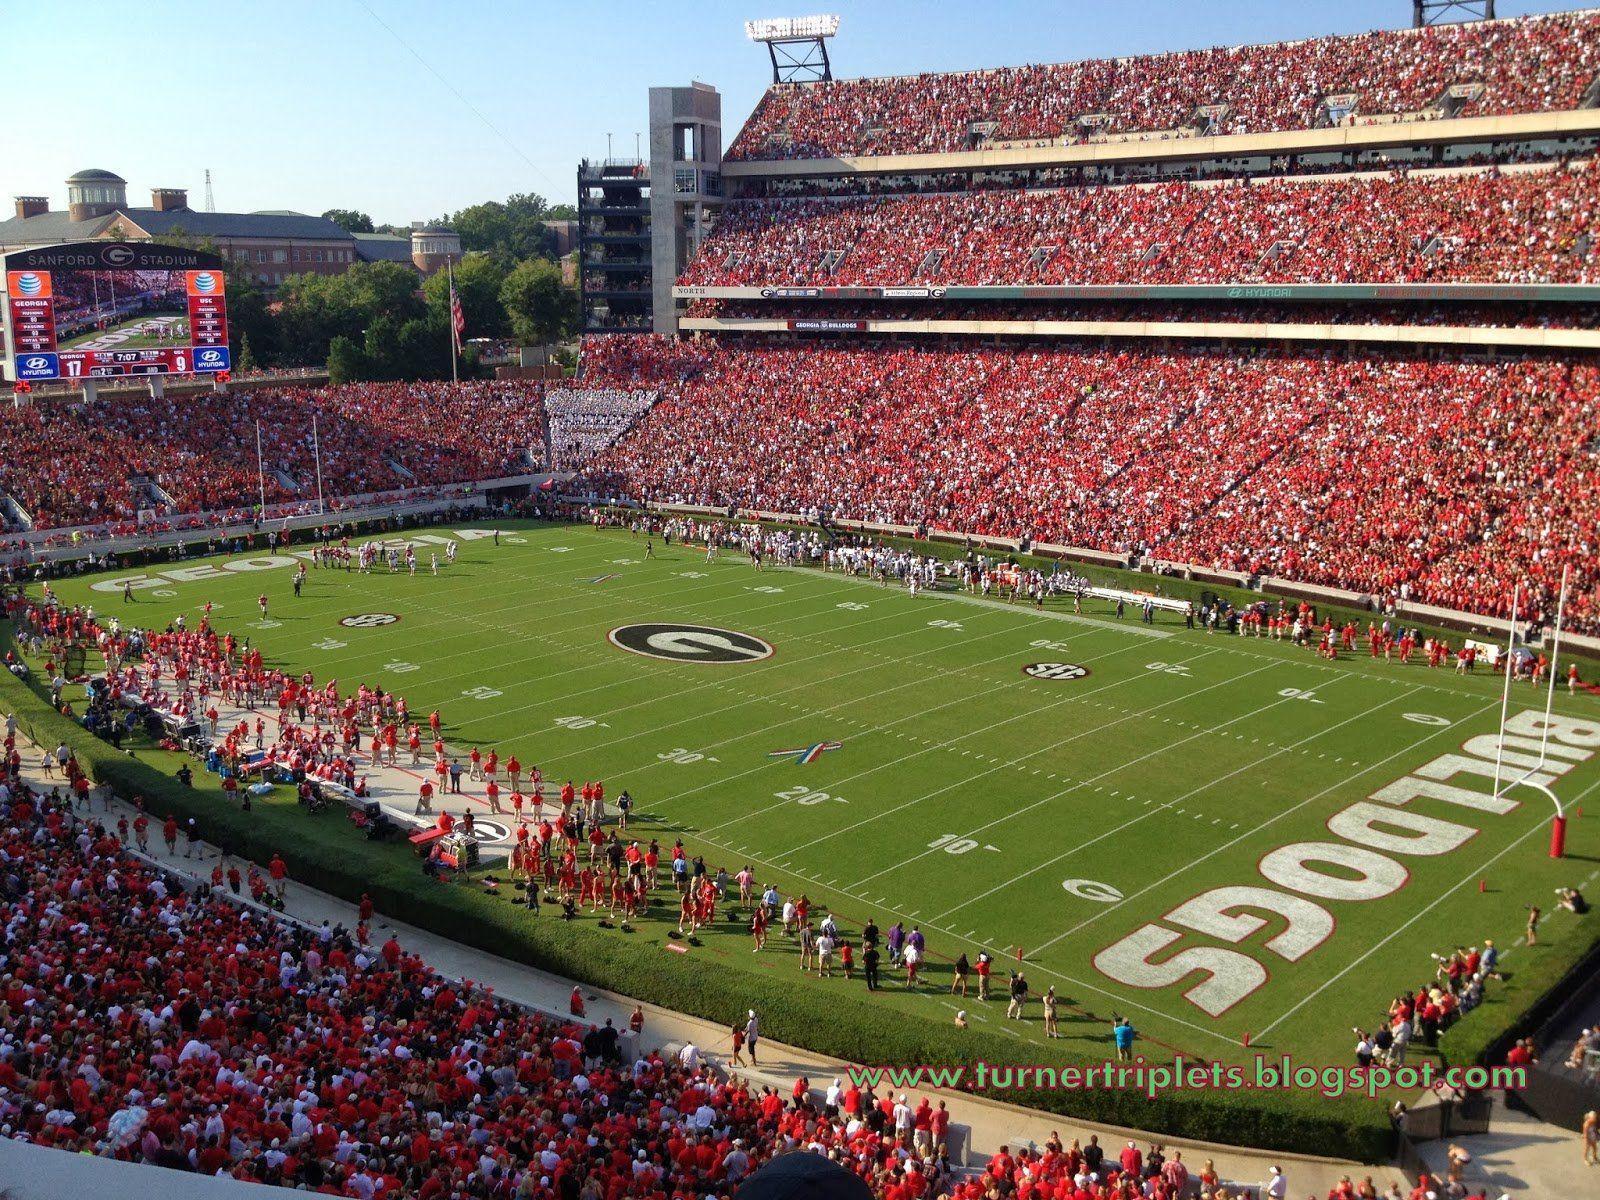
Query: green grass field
column 139, row 336
column 992, row 809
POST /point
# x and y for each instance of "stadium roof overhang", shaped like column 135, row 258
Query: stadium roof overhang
column 1136, row 149
column 1454, row 292
column 1457, row 337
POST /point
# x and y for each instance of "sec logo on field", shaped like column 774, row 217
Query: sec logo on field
column 368, row 620
column 690, row 643
column 1054, row 671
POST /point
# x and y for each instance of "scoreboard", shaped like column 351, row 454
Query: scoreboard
column 103, row 310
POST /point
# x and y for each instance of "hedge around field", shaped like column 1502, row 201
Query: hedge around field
column 327, row 853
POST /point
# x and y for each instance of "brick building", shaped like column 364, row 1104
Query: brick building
column 272, row 245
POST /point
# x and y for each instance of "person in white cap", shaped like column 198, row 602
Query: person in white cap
column 1278, row 1186
column 736, row 1162
column 904, row 1118
column 752, row 1031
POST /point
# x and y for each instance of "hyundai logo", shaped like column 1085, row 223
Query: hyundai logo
column 205, row 282
column 36, row 363
column 210, row 356
column 29, row 284
column 117, row 256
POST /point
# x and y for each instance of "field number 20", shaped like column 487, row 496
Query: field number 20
column 802, row 794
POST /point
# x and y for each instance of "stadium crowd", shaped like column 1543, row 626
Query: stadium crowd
column 1525, row 65
column 87, row 462
column 149, row 1021
column 1432, row 480
column 1527, row 226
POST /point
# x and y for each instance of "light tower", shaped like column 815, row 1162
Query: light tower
column 798, row 46
column 1441, row 12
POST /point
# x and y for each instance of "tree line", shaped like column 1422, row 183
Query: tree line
column 376, row 321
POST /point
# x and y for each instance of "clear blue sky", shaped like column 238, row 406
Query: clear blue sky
column 313, row 104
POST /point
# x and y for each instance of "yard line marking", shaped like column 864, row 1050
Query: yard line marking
column 651, row 586
column 1123, row 1001
column 803, row 712
column 1409, row 748
column 1142, row 816
column 1044, row 749
column 960, row 700
column 1047, row 614
column 597, row 651
column 343, row 662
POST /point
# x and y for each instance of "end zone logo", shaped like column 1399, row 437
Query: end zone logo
column 368, row 620
column 1054, row 671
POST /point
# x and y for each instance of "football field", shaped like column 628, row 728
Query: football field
column 146, row 332
column 1076, row 787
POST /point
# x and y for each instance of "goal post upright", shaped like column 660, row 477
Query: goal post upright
column 1529, row 778
column 1505, row 695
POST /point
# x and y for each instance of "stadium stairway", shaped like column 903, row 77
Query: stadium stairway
column 16, row 517
column 1520, row 1156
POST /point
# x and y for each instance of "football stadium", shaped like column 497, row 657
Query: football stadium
column 1030, row 631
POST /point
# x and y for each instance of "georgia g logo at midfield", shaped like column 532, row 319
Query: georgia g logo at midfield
column 690, row 643
column 1054, row 671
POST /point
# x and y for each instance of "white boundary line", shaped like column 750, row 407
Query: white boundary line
column 1050, row 614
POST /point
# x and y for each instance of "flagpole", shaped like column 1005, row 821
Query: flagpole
column 261, row 473
column 455, row 334
column 316, row 449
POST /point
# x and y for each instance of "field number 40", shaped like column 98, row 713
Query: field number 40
column 1299, row 694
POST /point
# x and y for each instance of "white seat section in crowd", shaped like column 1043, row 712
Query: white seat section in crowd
column 584, row 421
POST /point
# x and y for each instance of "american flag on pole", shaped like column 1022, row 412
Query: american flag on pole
column 458, row 320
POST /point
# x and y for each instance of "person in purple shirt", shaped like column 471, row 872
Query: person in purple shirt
column 896, row 940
